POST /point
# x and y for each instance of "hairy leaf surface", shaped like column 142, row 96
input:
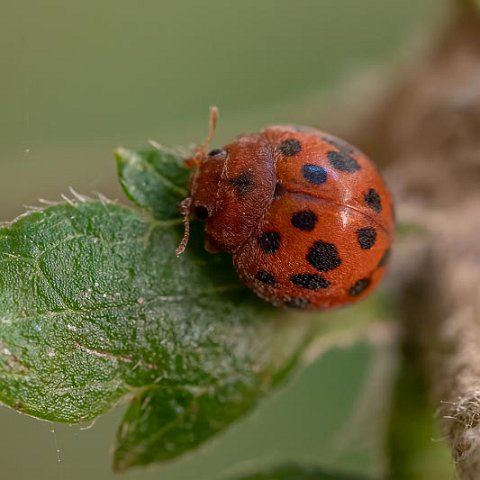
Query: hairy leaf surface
column 95, row 307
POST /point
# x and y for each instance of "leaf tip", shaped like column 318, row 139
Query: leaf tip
column 122, row 155
column 124, row 460
column 119, row 464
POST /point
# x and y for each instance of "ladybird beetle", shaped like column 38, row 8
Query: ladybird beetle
column 306, row 216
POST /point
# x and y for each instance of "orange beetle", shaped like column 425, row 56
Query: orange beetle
column 306, row 216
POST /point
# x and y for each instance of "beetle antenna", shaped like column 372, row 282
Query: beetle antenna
column 201, row 151
column 213, row 125
column 196, row 161
column 185, row 211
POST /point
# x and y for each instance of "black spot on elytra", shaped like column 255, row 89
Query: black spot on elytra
column 343, row 161
column 310, row 281
column 384, row 260
column 242, row 183
column 372, row 199
column 201, row 212
column 323, row 256
column 314, row 174
column 216, row 151
column 269, row 242
column 280, row 190
column 290, row 147
column 266, row 277
column 304, row 220
column 297, row 303
column 359, row 286
column 366, row 237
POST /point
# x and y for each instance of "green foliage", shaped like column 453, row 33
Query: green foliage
column 95, row 307
column 154, row 179
column 299, row 472
column 414, row 451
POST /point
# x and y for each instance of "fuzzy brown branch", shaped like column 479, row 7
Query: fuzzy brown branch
column 426, row 128
column 442, row 313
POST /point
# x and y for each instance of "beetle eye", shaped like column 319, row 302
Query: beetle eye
column 201, row 212
column 217, row 152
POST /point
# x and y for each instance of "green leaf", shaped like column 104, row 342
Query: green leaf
column 414, row 451
column 96, row 307
column 299, row 472
column 154, row 179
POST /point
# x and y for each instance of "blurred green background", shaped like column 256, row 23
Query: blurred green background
column 79, row 78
